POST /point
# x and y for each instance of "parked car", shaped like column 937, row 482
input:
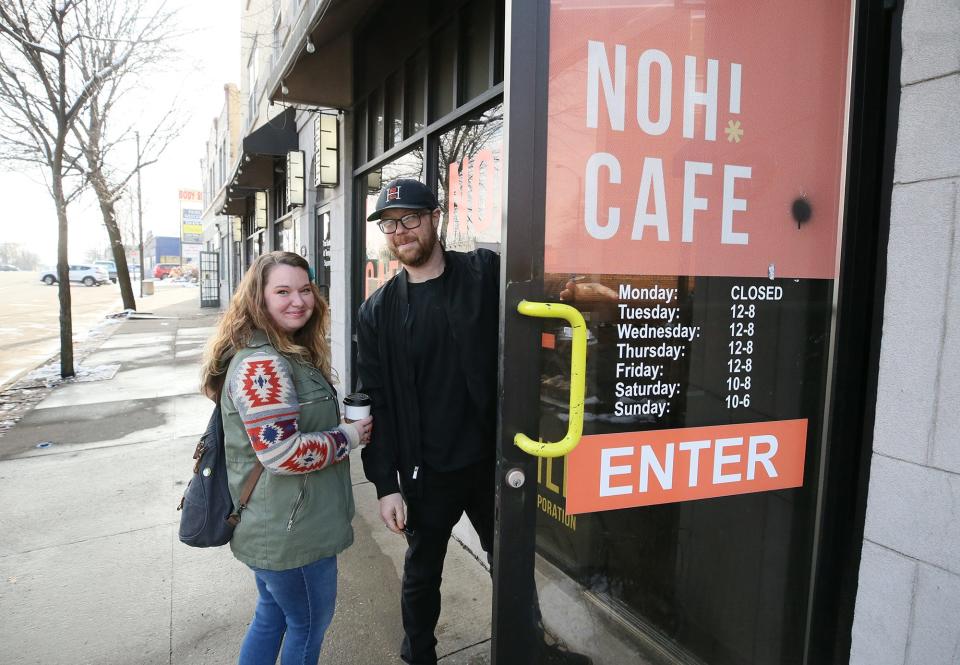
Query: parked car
column 6, row 267
column 88, row 275
column 110, row 267
column 162, row 270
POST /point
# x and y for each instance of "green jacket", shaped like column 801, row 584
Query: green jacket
column 291, row 520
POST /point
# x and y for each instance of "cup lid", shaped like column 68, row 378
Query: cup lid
column 357, row 399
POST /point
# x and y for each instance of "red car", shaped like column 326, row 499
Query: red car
column 162, row 270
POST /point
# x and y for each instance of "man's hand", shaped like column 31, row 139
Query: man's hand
column 575, row 290
column 392, row 512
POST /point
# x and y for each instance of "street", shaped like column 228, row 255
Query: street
column 30, row 317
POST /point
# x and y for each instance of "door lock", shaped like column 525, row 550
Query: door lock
column 515, row 478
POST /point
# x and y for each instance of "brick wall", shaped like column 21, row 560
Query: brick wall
column 908, row 602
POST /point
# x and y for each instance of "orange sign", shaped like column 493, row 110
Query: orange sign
column 610, row 471
column 696, row 139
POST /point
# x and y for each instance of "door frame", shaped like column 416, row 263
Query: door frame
column 521, row 276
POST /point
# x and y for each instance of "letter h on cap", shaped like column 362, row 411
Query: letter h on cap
column 393, row 193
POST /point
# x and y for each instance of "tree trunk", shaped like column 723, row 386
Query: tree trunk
column 63, row 278
column 119, row 254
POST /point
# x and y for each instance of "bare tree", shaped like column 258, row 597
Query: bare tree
column 14, row 254
column 110, row 27
column 42, row 92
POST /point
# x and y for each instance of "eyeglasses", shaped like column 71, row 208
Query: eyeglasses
column 408, row 222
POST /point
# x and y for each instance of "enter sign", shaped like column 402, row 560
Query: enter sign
column 611, row 471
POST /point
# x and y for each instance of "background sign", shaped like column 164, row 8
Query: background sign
column 191, row 210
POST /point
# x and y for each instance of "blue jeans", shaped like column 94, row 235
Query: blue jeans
column 299, row 603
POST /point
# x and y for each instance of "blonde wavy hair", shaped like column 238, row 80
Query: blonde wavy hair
column 247, row 313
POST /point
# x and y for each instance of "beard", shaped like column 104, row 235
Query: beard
column 416, row 256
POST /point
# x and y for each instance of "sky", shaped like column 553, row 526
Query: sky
column 211, row 43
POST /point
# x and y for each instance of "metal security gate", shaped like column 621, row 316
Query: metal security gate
column 209, row 279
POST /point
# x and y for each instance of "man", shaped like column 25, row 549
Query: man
column 427, row 342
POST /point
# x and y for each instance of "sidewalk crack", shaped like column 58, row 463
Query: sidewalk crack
column 462, row 649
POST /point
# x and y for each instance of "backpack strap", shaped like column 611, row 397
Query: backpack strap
column 248, row 486
column 245, row 493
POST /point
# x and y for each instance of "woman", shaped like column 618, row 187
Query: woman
column 269, row 365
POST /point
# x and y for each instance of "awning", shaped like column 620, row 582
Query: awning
column 324, row 77
column 262, row 148
column 236, row 202
column 276, row 137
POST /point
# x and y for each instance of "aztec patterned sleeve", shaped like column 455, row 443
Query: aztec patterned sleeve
column 262, row 390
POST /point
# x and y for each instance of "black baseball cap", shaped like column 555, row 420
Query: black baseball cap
column 404, row 193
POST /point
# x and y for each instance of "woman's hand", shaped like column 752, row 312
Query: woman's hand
column 364, row 428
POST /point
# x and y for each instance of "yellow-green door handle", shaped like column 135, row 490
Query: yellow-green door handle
column 578, row 372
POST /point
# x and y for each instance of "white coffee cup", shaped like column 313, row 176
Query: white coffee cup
column 356, row 406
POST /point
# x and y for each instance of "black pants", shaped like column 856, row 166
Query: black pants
column 444, row 497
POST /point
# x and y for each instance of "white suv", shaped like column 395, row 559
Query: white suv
column 110, row 267
column 85, row 274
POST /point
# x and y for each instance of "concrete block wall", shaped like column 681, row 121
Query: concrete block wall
column 908, row 600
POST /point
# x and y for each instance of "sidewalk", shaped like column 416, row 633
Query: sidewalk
column 91, row 570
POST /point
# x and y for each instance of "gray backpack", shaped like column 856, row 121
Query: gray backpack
column 207, row 515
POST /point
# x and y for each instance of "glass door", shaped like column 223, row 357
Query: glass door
column 675, row 177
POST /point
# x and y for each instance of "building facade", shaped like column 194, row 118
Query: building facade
column 909, row 578
column 593, row 144
column 218, row 160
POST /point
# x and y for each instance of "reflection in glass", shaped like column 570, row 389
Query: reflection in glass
column 287, row 236
column 376, row 122
column 442, row 57
column 416, row 86
column 393, row 112
column 476, row 54
column 380, row 265
column 469, row 190
column 723, row 580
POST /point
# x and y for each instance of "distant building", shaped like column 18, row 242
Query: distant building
column 220, row 233
column 160, row 249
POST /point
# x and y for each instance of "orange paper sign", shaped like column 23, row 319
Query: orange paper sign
column 696, row 138
column 610, row 471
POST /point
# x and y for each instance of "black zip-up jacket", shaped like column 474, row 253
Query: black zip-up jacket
column 471, row 294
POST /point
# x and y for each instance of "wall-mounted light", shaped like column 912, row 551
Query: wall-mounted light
column 246, row 158
column 295, row 178
column 327, row 139
column 260, row 207
column 284, row 89
column 310, row 48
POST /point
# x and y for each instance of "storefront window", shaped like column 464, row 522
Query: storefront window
column 380, row 265
column 394, row 106
column 376, row 122
column 288, row 238
column 443, row 53
column 469, row 162
column 254, row 247
column 414, row 99
column 477, row 29
column 324, row 254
